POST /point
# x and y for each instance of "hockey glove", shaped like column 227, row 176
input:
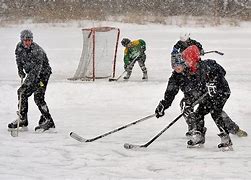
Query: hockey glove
column 202, row 52
column 186, row 108
column 21, row 74
column 211, row 88
column 41, row 84
column 159, row 111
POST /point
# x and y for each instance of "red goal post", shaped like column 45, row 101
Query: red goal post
column 99, row 53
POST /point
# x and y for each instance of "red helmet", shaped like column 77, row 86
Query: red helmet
column 191, row 56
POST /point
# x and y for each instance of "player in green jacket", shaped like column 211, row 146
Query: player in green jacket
column 134, row 51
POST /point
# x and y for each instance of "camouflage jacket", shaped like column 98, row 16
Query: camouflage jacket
column 33, row 61
column 135, row 49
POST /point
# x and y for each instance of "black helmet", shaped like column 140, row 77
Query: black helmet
column 26, row 34
column 125, row 42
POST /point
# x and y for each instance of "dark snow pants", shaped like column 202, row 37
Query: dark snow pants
column 214, row 107
column 38, row 89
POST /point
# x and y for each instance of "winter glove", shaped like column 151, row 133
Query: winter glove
column 142, row 49
column 202, row 52
column 186, row 108
column 21, row 74
column 211, row 88
column 41, row 84
column 159, row 111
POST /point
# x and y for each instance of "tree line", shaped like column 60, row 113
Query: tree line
column 61, row 10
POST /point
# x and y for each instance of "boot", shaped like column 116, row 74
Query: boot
column 23, row 123
column 145, row 76
column 241, row 133
column 226, row 143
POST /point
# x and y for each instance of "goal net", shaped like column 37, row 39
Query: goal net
column 98, row 58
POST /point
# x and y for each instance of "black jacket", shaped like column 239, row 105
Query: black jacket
column 181, row 45
column 194, row 85
column 33, row 61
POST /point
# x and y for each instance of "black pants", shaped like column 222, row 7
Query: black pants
column 27, row 89
column 213, row 106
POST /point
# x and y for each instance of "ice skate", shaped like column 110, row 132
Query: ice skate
column 226, row 143
column 189, row 134
column 47, row 125
column 145, row 76
column 23, row 125
column 241, row 133
column 197, row 138
column 127, row 76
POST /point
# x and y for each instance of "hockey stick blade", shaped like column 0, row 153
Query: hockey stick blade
column 77, row 137
column 112, row 79
column 132, row 146
column 14, row 133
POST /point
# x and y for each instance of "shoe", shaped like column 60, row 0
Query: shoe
column 23, row 123
column 44, row 126
column 241, row 133
column 226, row 143
column 145, row 76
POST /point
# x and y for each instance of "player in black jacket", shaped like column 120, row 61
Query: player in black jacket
column 33, row 63
column 195, row 78
column 184, row 42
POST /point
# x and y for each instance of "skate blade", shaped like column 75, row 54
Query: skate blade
column 228, row 148
column 51, row 130
column 195, row 146
column 21, row 129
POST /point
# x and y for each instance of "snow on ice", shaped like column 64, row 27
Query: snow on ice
column 93, row 108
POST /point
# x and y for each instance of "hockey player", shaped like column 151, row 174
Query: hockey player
column 134, row 51
column 195, row 77
column 184, row 42
column 32, row 63
column 231, row 126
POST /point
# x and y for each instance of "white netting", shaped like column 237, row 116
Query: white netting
column 99, row 53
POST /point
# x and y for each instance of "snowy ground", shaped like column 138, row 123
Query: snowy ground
column 91, row 109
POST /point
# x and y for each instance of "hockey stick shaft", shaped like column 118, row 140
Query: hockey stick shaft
column 130, row 146
column 218, row 52
column 161, row 132
column 13, row 133
column 72, row 134
column 116, row 79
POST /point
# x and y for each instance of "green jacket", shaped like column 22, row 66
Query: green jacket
column 135, row 49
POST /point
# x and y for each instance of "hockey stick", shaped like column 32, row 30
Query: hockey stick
column 81, row 139
column 132, row 146
column 218, row 52
column 116, row 79
column 14, row 133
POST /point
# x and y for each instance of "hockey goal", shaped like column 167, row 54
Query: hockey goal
column 98, row 58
